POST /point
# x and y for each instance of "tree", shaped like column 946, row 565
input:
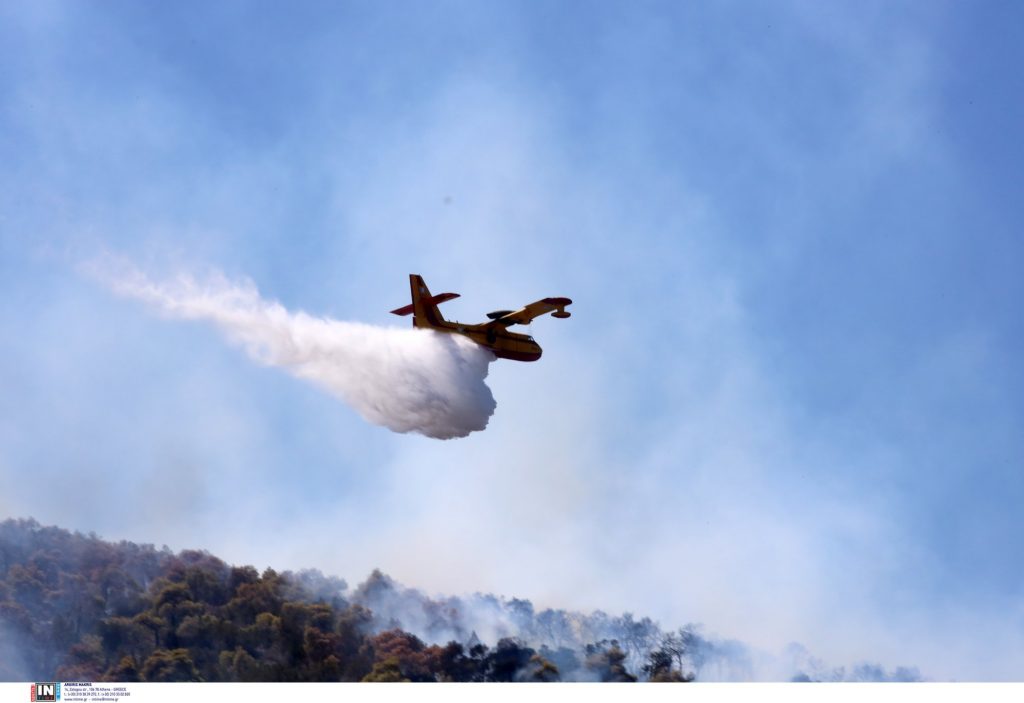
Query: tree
column 407, row 650
column 607, row 661
column 507, row 659
column 554, row 627
column 659, row 667
column 319, row 655
column 85, row 661
column 206, row 583
column 170, row 665
column 251, row 599
column 356, row 659
column 125, row 670
column 541, row 670
column 121, row 636
column 637, row 637
column 153, row 623
column 452, row 662
column 696, row 648
column 239, row 665
column 563, row 659
column 387, row 671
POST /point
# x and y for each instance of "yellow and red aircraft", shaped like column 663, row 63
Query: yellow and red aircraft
column 493, row 335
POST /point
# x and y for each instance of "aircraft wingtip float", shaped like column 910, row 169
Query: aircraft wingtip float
column 493, row 335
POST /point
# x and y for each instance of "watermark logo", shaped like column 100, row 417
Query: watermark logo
column 46, row 692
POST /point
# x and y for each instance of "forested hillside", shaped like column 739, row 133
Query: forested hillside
column 74, row 607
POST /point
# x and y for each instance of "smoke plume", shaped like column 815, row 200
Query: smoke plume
column 407, row 380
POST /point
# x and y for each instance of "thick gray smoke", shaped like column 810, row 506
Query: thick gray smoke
column 407, row 380
column 567, row 637
column 12, row 660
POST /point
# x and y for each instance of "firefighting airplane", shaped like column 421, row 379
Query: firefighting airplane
column 493, row 335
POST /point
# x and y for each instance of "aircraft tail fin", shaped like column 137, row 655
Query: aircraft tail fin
column 424, row 305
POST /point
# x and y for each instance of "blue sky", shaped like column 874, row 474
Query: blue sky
column 789, row 402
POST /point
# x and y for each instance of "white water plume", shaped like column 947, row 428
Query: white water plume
column 408, row 380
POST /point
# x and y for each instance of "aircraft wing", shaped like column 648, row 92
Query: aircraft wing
column 523, row 315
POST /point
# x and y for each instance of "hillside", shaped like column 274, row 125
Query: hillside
column 75, row 607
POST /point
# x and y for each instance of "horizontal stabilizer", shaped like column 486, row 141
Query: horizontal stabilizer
column 432, row 300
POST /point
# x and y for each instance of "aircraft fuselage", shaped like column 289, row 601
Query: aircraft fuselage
column 502, row 343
